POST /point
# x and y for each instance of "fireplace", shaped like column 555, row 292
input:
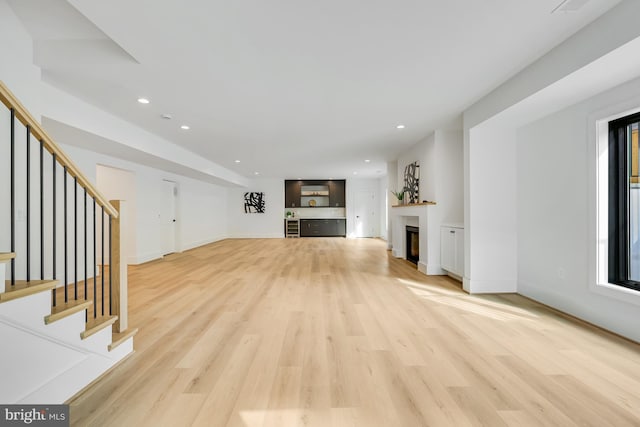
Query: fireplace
column 413, row 244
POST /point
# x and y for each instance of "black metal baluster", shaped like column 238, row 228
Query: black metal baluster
column 53, row 226
column 41, row 210
column 102, row 269
column 86, row 268
column 95, row 262
column 110, row 263
column 75, row 238
column 13, row 195
column 28, row 203
column 66, row 291
column 85, row 245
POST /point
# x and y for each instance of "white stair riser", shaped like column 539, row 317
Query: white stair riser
column 28, row 311
column 50, row 363
column 21, row 311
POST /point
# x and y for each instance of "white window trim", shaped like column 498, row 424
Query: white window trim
column 598, row 210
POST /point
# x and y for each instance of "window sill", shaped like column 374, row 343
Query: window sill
column 617, row 292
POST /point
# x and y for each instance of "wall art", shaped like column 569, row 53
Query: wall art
column 411, row 182
column 254, row 203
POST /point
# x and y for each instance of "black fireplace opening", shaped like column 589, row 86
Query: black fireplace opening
column 413, row 244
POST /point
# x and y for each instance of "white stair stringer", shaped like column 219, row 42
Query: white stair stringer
column 48, row 364
column 70, row 382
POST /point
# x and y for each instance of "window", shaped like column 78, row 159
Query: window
column 624, row 202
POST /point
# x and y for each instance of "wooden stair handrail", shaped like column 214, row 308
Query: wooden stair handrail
column 23, row 115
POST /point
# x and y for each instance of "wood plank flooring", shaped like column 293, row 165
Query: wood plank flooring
column 335, row 332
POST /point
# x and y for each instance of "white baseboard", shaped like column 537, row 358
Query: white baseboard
column 465, row 285
column 259, row 236
column 150, row 256
column 495, row 286
column 454, row 276
column 191, row 245
column 132, row 260
column 433, row 270
column 423, row 268
column 142, row 258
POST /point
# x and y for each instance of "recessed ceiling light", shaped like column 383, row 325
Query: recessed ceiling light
column 355, row 173
column 400, row 127
column 256, row 173
column 143, row 100
column 185, row 127
column 237, row 161
column 367, row 161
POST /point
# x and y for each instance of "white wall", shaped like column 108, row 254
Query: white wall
column 383, row 203
column 491, row 263
column 202, row 212
column 392, row 185
column 16, row 67
column 120, row 184
column 271, row 223
column 21, row 76
column 423, row 152
column 201, row 207
column 441, row 180
column 554, row 207
column 555, row 181
column 267, row 225
column 449, row 174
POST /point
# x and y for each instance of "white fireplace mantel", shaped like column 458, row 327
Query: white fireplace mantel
column 429, row 240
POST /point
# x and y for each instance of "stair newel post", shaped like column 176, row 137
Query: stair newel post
column 118, row 262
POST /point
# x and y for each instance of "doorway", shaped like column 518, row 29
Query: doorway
column 365, row 214
column 168, row 216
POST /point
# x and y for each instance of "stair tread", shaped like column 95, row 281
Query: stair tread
column 6, row 256
column 62, row 310
column 96, row 325
column 22, row 288
column 89, row 295
column 118, row 338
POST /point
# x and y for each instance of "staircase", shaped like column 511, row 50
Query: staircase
column 63, row 279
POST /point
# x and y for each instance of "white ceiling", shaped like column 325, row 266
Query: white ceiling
column 293, row 88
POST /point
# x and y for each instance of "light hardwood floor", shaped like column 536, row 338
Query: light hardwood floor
column 335, row 332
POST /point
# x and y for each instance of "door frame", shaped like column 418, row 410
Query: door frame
column 176, row 234
column 373, row 205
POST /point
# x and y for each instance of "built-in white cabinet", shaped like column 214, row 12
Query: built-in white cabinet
column 452, row 249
